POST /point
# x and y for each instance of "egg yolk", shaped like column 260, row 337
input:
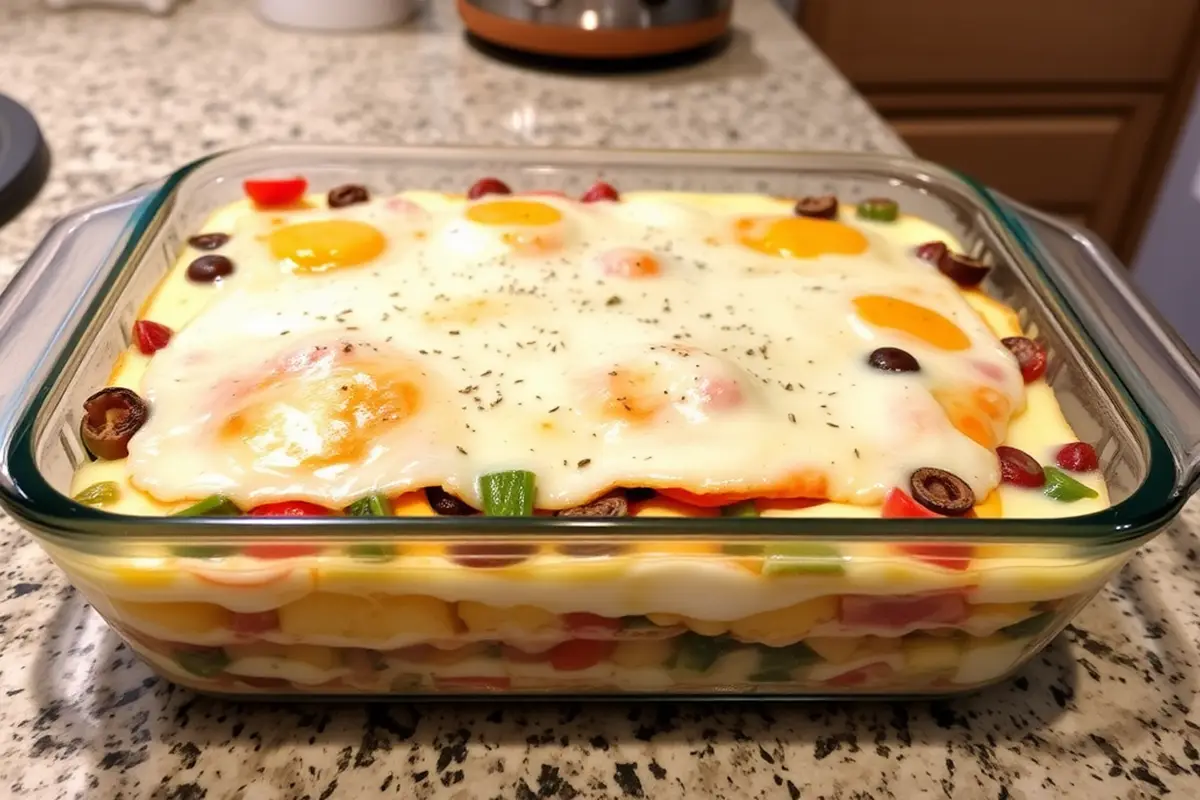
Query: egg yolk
column 323, row 245
column 917, row 321
column 628, row 262
column 514, row 213
column 980, row 415
column 323, row 413
column 800, row 237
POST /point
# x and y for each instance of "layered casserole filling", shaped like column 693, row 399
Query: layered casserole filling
column 644, row 354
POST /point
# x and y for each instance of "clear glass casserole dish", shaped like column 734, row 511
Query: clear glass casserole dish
column 601, row 606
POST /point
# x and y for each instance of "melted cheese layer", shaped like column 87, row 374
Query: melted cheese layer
column 659, row 341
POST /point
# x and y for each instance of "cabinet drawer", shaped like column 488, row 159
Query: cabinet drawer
column 956, row 42
column 1072, row 154
column 1051, row 160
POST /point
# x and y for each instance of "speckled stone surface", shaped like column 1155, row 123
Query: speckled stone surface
column 1106, row 711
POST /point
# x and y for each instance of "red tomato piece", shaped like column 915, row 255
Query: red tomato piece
column 280, row 550
column 150, row 336
column 1078, row 457
column 290, row 508
column 486, row 186
column 898, row 504
column 270, row 193
column 1031, row 356
column 582, row 620
column 900, row 611
column 580, row 654
column 257, row 622
column 600, row 191
column 472, row 684
column 287, row 508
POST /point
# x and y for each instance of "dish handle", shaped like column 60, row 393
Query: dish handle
column 1157, row 367
column 47, row 294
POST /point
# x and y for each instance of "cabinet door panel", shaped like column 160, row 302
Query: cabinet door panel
column 1076, row 154
column 956, row 42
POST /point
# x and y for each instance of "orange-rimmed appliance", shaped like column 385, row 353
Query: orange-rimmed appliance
column 597, row 29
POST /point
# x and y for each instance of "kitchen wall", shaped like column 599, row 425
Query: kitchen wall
column 1167, row 265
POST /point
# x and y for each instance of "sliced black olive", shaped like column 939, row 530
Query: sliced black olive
column 447, row 504
column 822, row 207
column 110, row 419
column 942, row 491
column 639, row 495
column 893, row 359
column 592, row 549
column 488, row 555
column 962, row 269
column 207, row 269
column 613, row 505
column 347, row 195
column 209, row 241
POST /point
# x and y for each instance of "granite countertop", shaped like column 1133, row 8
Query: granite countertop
column 1105, row 711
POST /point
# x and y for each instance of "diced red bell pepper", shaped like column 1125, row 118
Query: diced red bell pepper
column 900, row 611
column 862, row 675
column 719, row 499
column 946, row 556
column 150, row 336
column 582, row 620
column 898, row 504
column 257, row 622
column 282, row 550
column 580, row 654
column 272, row 193
column 473, row 684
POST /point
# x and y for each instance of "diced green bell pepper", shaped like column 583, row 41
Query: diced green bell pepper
column 214, row 506
column 1028, row 627
column 507, row 494
column 1061, row 486
column 695, row 652
column 775, row 664
column 203, row 663
column 803, row 558
column 99, row 494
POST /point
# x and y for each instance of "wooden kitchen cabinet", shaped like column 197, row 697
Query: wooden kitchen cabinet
column 1069, row 105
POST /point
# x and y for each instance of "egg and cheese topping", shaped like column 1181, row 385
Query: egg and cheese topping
column 714, row 345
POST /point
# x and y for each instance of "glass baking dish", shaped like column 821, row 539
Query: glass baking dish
column 582, row 591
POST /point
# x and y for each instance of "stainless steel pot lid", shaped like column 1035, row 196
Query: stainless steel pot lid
column 24, row 158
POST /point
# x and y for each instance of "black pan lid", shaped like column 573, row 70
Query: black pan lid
column 24, row 158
